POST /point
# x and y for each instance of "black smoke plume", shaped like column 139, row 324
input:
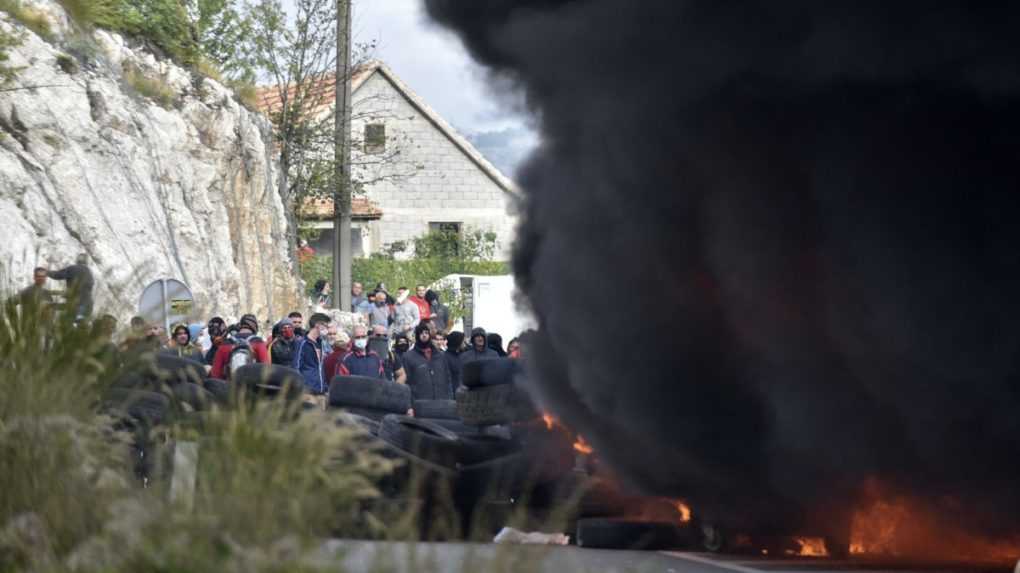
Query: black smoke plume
column 774, row 247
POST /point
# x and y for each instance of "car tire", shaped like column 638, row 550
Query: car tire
column 177, row 370
column 422, row 438
column 436, row 409
column 219, row 389
column 195, row 396
column 270, row 380
column 369, row 393
column 493, row 405
column 147, row 408
column 492, row 372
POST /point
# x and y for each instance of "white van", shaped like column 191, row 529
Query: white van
column 489, row 304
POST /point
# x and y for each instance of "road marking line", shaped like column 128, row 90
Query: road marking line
column 707, row 561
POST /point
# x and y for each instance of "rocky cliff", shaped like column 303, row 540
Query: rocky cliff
column 151, row 170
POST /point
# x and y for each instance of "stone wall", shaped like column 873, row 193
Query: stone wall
column 430, row 179
column 185, row 189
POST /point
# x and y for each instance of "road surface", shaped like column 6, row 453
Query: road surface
column 481, row 557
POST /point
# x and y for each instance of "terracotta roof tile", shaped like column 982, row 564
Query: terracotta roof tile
column 322, row 208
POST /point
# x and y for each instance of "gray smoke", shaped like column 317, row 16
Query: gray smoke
column 773, row 246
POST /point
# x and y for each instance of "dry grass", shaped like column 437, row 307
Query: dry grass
column 34, row 20
column 155, row 89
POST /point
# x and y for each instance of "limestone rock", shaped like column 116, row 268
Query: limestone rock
column 184, row 187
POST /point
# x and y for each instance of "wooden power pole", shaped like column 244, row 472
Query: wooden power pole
column 342, row 161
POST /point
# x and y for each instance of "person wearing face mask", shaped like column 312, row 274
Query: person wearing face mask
column 308, row 359
column 340, row 346
column 406, row 315
column 428, row 370
column 216, row 328
column 281, row 349
column 379, row 342
column 379, row 313
column 361, row 361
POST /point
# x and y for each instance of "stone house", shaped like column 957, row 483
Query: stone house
column 413, row 172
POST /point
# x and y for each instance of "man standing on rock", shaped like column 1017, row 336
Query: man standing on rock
column 424, row 308
column 79, row 286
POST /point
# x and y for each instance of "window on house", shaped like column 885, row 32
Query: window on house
column 375, row 138
column 445, row 227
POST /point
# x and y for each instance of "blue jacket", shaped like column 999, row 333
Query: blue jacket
column 308, row 363
column 360, row 363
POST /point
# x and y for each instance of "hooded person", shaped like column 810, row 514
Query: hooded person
column 454, row 342
column 440, row 313
column 246, row 332
column 181, row 344
column 478, row 348
column 428, row 370
column 281, row 349
column 495, row 342
column 216, row 329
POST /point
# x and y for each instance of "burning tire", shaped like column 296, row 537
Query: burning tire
column 493, row 372
column 493, row 405
column 422, row 438
column 369, row 394
column 438, row 409
column 602, row 533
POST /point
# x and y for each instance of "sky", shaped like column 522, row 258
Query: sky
column 435, row 65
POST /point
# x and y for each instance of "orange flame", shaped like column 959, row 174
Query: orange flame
column 582, row 446
column 811, row 546
column 549, row 421
column 684, row 510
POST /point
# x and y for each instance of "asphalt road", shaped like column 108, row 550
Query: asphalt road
column 470, row 557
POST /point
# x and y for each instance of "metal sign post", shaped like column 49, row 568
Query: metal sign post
column 166, row 302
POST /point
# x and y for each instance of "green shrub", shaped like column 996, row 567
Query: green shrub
column 89, row 14
column 246, row 93
column 31, row 18
column 153, row 88
column 67, row 64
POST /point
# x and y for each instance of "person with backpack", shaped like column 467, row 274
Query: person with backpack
column 242, row 346
column 308, row 359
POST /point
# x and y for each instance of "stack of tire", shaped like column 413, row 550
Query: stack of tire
column 491, row 394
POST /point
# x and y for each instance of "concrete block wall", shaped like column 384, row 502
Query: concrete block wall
column 426, row 177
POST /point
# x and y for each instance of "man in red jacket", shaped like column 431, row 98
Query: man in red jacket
column 247, row 329
column 419, row 300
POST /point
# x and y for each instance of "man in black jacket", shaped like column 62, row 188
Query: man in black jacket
column 428, row 370
column 79, row 286
column 281, row 349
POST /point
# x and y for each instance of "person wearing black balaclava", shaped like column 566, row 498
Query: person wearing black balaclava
column 495, row 342
column 216, row 328
column 454, row 344
column 428, row 370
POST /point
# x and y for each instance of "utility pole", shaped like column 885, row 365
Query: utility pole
column 342, row 160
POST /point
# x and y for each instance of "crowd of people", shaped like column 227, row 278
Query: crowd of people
column 405, row 338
